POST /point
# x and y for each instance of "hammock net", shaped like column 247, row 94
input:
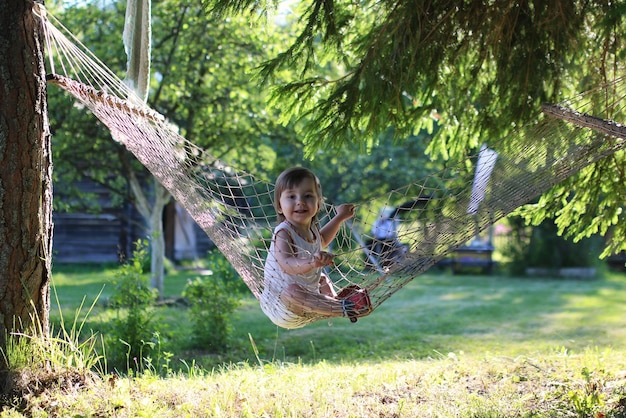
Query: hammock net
column 437, row 214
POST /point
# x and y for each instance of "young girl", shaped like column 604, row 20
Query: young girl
column 295, row 291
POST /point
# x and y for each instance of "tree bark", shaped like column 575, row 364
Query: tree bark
column 25, row 174
column 152, row 213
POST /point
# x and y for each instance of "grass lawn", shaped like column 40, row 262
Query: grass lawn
column 443, row 346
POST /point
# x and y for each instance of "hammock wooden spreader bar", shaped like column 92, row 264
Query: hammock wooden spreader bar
column 584, row 120
column 93, row 95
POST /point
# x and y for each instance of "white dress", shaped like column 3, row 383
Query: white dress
column 276, row 280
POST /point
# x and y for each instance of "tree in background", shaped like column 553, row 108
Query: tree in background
column 202, row 83
column 482, row 69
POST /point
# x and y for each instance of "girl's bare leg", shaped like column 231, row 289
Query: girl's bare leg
column 299, row 301
column 326, row 286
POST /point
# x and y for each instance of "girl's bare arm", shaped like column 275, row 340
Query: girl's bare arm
column 293, row 263
column 329, row 231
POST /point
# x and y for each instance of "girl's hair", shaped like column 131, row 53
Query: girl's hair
column 291, row 178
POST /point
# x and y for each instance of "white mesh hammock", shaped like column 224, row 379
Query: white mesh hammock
column 437, row 213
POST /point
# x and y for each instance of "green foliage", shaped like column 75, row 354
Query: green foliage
column 588, row 204
column 388, row 165
column 515, row 247
column 71, row 348
column 588, row 400
column 38, row 359
column 354, row 69
column 133, row 300
column 64, row 349
column 544, row 247
column 81, row 148
column 205, row 86
column 222, row 269
column 481, row 68
column 213, row 301
column 549, row 249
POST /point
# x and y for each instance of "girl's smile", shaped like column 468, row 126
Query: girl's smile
column 300, row 203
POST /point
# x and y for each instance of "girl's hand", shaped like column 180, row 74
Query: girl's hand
column 322, row 259
column 345, row 211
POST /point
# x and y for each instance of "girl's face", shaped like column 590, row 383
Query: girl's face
column 300, row 203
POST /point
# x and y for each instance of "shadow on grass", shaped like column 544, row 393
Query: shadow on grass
column 432, row 316
column 438, row 314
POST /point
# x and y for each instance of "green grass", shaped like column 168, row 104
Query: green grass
column 443, row 346
column 435, row 313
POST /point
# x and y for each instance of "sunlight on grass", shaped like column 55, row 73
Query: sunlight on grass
column 449, row 385
column 444, row 346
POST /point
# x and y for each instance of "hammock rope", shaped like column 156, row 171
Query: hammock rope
column 437, row 213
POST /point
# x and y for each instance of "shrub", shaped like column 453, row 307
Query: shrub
column 542, row 246
column 213, row 301
column 133, row 300
column 222, row 268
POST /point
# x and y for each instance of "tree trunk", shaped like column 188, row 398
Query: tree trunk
column 152, row 213
column 25, row 174
column 157, row 261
